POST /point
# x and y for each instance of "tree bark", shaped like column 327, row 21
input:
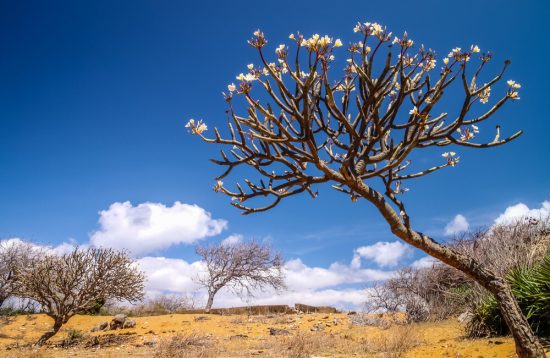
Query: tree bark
column 58, row 322
column 210, row 301
column 527, row 344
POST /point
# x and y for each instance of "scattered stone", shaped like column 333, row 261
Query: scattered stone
column 118, row 321
column 318, row 327
column 101, row 327
column 278, row 331
column 128, row 323
column 201, row 318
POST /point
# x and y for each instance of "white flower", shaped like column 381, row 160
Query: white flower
column 338, row 43
column 196, row 127
column 513, row 84
column 247, row 78
column 414, row 111
column 257, row 32
column 475, row 129
column 291, row 36
column 474, row 48
column 454, row 52
column 485, row 94
column 218, row 187
column 250, row 66
column 280, row 50
column 376, row 28
column 200, row 128
column 231, row 87
column 446, row 60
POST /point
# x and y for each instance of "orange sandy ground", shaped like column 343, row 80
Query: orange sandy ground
column 442, row 339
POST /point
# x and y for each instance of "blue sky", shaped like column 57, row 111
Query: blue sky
column 94, row 96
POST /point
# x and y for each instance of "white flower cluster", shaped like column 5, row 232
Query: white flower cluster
column 451, row 157
column 513, row 86
column 369, row 28
column 468, row 133
column 196, row 127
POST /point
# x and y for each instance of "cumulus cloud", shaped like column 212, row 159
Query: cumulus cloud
column 152, row 227
column 232, row 239
column 518, row 211
column 457, row 225
column 306, row 284
column 384, row 254
column 60, row 249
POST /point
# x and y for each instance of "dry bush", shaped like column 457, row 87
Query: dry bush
column 394, row 342
column 74, row 282
column 184, row 346
column 164, row 304
column 303, row 345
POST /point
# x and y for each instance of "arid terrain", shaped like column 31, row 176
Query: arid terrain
column 201, row 335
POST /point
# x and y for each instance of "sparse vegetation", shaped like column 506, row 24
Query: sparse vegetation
column 72, row 283
column 242, row 267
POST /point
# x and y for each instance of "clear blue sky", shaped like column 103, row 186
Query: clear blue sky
column 94, row 96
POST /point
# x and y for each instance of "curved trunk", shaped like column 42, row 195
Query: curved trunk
column 58, row 322
column 527, row 344
column 210, row 301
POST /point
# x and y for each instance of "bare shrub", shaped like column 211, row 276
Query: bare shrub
column 302, row 345
column 159, row 305
column 393, row 343
column 242, row 267
column 184, row 346
column 72, row 283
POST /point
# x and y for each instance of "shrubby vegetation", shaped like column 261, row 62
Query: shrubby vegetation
column 66, row 284
column 519, row 251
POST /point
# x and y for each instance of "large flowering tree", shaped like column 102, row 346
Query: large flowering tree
column 300, row 128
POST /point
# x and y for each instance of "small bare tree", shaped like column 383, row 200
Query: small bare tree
column 72, row 283
column 242, row 267
column 12, row 254
column 359, row 132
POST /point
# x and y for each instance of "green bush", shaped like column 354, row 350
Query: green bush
column 531, row 287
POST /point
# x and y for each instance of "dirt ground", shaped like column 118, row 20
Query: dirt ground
column 186, row 335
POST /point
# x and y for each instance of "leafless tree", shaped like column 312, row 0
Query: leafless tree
column 359, row 132
column 72, row 283
column 242, row 267
column 13, row 253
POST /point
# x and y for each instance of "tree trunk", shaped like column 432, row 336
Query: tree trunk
column 527, row 344
column 210, row 301
column 58, row 322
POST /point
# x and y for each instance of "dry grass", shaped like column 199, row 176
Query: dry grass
column 185, row 346
column 246, row 336
column 395, row 343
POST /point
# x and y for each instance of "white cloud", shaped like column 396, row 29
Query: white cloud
column 385, row 254
column 152, row 227
column 424, row 262
column 232, row 239
column 518, row 211
column 60, row 249
column 309, row 285
column 457, row 225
